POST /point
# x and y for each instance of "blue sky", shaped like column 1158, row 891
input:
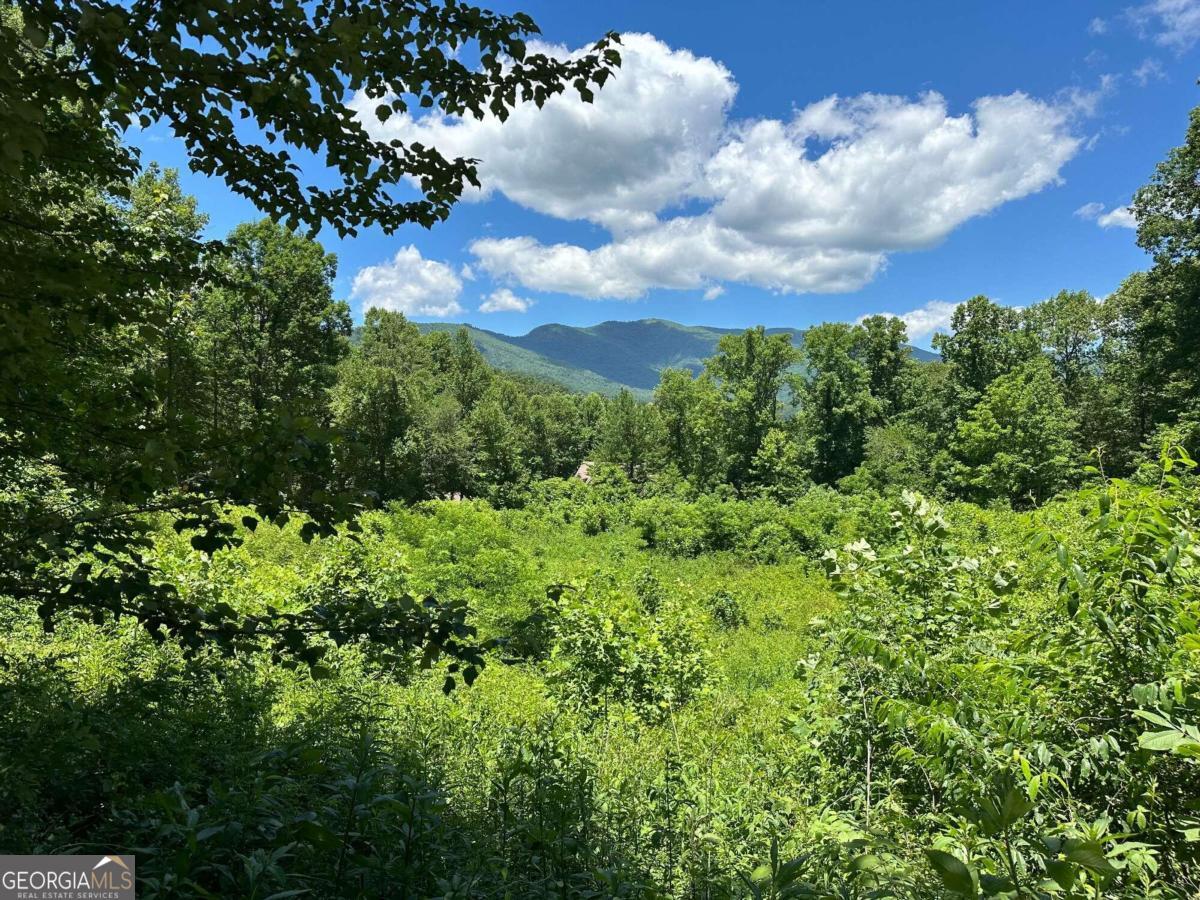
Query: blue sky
column 785, row 164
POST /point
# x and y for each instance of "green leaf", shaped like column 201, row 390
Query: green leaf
column 955, row 874
column 1062, row 872
column 1160, row 740
column 1091, row 856
column 1015, row 807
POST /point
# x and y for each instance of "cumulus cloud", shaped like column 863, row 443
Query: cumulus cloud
column 818, row 202
column 1097, row 26
column 1121, row 217
column 1118, row 217
column 926, row 320
column 714, row 292
column 504, row 300
column 639, row 147
column 1171, row 23
column 410, row 284
column 693, row 199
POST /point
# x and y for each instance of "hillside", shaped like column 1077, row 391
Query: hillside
column 501, row 351
column 608, row 356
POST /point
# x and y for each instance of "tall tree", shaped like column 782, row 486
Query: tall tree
column 291, row 70
column 630, row 435
column 73, row 75
column 692, row 413
column 461, row 364
column 1068, row 328
column 1161, row 308
column 381, row 392
column 882, row 347
column 987, row 341
column 750, row 368
column 270, row 328
column 499, row 468
column 1016, row 443
column 556, row 438
column 836, row 405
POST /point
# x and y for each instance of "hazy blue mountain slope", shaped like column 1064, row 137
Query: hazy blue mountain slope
column 501, row 353
column 608, row 356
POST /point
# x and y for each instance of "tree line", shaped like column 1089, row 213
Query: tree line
column 1021, row 403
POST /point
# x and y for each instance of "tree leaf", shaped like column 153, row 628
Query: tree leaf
column 955, row 874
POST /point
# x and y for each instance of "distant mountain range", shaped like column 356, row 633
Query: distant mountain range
column 608, row 356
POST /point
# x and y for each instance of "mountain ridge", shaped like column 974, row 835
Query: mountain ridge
column 609, row 355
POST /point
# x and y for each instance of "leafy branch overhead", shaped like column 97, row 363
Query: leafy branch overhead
column 246, row 84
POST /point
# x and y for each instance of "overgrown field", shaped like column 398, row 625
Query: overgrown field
column 687, row 698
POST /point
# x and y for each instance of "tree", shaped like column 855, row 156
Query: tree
column 836, row 405
column 556, row 438
column 750, row 369
column 1016, row 443
column 882, row 347
column 1067, row 326
column 930, row 397
column 779, row 468
column 987, row 341
column 630, row 435
column 1159, row 311
column 297, row 73
column 270, row 328
column 108, row 428
column 460, row 363
column 691, row 409
column 442, row 448
column 1087, row 346
column 897, row 456
column 381, row 392
column 499, row 468
column 1167, row 208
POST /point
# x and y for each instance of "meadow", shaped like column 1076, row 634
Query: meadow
column 775, row 718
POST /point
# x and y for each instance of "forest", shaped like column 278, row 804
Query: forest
column 293, row 606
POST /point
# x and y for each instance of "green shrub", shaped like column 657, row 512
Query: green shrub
column 727, row 610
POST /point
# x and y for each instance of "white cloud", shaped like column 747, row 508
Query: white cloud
column 714, row 292
column 1149, row 70
column 817, row 203
column 637, row 149
column 1097, row 26
column 504, row 300
column 692, row 199
column 410, row 284
column 1171, row 23
column 926, row 320
column 1119, row 217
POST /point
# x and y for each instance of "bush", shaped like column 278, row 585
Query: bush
column 727, row 611
column 607, row 651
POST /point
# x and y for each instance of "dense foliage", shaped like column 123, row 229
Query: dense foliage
column 289, row 608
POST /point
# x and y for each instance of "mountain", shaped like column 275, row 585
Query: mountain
column 608, row 356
